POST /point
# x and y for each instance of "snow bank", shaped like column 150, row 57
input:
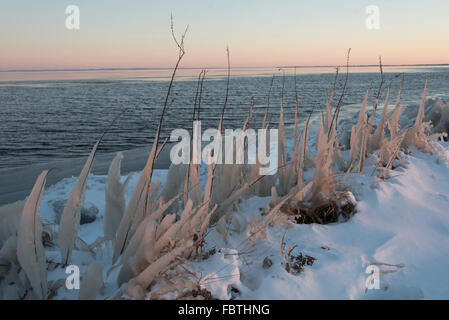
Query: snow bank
column 401, row 229
column 402, row 226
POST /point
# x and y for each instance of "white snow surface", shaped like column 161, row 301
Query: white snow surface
column 401, row 225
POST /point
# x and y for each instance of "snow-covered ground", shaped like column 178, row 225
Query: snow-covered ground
column 400, row 229
column 403, row 222
column 401, row 226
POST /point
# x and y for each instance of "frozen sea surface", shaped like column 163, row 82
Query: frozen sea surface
column 60, row 114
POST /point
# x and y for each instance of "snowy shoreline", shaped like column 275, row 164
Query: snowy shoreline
column 400, row 226
column 16, row 183
column 403, row 221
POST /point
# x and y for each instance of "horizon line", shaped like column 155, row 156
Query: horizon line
column 222, row 67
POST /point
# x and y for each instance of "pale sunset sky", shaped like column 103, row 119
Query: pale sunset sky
column 136, row 33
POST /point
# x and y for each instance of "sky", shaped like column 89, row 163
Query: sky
column 136, row 33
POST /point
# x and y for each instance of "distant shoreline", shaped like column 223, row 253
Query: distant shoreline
column 218, row 68
column 20, row 76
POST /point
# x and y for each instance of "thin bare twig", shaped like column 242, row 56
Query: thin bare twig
column 264, row 124
column 181, row 54
column 227, row 85
column 337, row 108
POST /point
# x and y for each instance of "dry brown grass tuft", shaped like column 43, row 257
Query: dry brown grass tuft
column 340, row 208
